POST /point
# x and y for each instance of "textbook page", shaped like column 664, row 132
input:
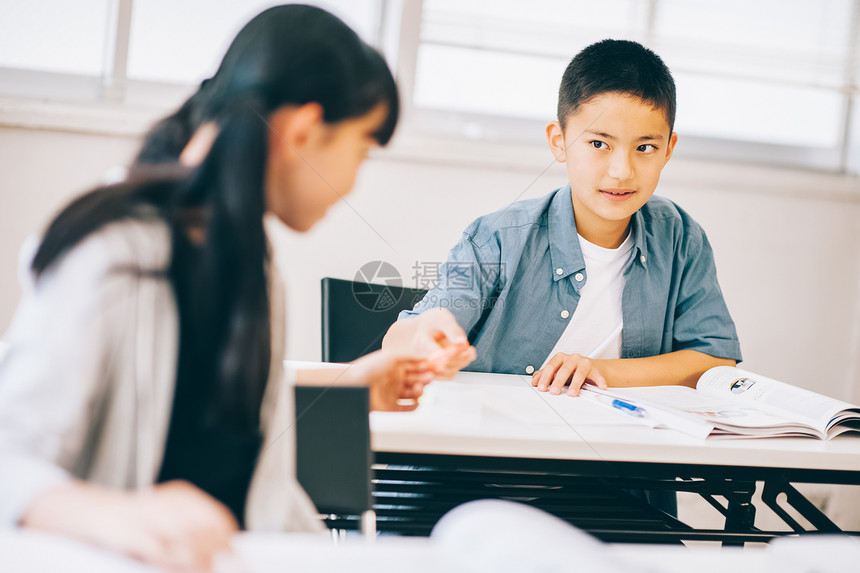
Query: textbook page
column 741, row 386
column 657, row 413
column 720, row 413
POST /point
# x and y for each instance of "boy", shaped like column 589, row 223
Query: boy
column 600, row 280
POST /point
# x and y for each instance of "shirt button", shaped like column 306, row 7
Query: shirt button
column 578, row 277
column 530, row 369
column 559, row 271
column 642, row 258
column 564, row 314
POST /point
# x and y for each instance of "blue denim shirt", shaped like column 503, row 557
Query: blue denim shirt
column 515, row 271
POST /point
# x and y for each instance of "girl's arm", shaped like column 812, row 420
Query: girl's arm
column 396, row 381
column 172, row 526
column 72, row 344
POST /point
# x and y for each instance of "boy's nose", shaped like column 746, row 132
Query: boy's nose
column 620, row 167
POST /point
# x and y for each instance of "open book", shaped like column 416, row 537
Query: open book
column 729, row 401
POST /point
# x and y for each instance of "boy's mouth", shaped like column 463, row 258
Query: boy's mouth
column 617, row 194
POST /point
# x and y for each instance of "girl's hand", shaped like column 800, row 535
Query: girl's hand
column 174, row 526
column 396, row 381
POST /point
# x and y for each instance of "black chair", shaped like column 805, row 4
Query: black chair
column 356, row 316
column 333, row 456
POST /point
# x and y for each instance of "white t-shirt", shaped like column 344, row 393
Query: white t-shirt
column 595, row 327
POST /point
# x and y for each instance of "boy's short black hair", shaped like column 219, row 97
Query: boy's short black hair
column 616, row 66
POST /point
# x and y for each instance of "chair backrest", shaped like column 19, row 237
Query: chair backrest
column 333, row 455
column 356, row 316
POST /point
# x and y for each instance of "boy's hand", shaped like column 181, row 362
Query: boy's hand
column 440, row 338
column 396, row 381
column 573, row 367
column 174, row 526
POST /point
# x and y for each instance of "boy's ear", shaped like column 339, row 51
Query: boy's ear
column 670, row 148
column 555, row 138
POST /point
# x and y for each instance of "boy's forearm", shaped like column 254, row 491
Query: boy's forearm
column 683, row 367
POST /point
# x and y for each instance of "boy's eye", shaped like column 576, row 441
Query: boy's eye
column 646, row 148
column 597, row 144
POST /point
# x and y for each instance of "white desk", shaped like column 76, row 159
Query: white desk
column 503, row 415
column 32, row 552
column 498, row 425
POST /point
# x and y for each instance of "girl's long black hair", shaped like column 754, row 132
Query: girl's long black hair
column 287, row 55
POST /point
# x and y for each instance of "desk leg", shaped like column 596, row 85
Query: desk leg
column 772, row 489
column 740, row 514
column 368, row 525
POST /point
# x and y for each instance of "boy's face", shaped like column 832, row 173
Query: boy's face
column 614, row 148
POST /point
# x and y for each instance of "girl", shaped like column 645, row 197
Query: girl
column 141, row 392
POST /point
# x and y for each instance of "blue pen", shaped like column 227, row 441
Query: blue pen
column 629, row 408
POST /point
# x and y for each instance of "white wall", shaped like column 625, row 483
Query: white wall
column 40, row 171
column 786, row 242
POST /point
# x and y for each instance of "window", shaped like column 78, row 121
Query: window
column 50, row 40
column 767, row 81
column 771, row 81
column 167, row 46
column 145, row 53
column 55, row 36
column 769, row 71
column 506, row 58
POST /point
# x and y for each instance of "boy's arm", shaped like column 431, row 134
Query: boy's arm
column 683, row 367
column 436, row 327
column 435, row 334
column 702, row 321
column 703, row 333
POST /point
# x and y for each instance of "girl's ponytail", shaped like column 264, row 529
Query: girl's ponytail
column 167, row 138
column 231, row 269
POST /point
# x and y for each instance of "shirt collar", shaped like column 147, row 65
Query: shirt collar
column 564, row 250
